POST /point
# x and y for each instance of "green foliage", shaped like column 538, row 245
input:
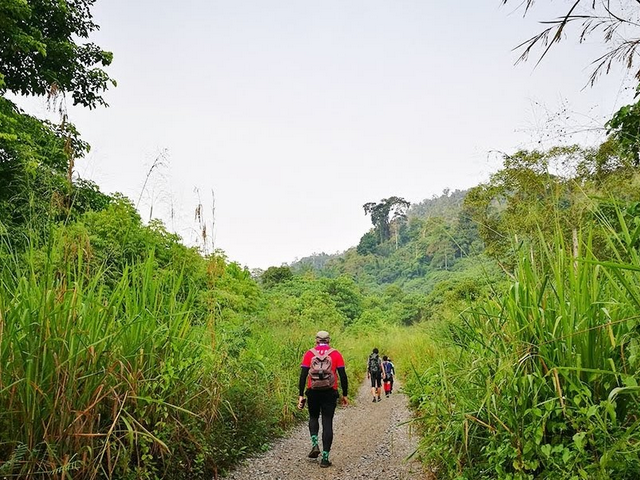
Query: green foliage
column 127, row 360
column 436, row 235
column 39, row 54
column 126, row 354
column 313, row 303
column 395, row 207
column 524, row 198
column 530, row 376
column 275, row 275
column 346, row 295
column 624, row 128
column 368, row 244
column 542, row 383
column 34, row 163
column 173, row 378
column 233, row 292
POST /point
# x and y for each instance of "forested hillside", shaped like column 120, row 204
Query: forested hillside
column 510, row 309
column 426, row 237
column 433, row 249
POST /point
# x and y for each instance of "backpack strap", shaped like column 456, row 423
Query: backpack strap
column 323, row 355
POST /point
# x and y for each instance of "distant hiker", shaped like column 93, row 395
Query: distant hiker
column 321, row 366
column 389, row 372
column 375, row 373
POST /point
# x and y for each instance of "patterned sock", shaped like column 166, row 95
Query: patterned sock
column 325, row 455
column 314, row 440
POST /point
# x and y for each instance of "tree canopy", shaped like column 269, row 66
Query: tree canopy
column 384, row 212
column 39, row 53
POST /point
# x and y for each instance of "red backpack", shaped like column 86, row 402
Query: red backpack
column 321, row 370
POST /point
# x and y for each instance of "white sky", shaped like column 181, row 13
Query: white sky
column 296, row 113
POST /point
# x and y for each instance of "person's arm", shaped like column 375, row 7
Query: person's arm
column 344, row 383
column 384, row 374
column 304, row 371
column 305, row 365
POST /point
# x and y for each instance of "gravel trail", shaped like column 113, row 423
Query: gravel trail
column 371, row 441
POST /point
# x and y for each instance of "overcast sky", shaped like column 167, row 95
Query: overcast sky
column 296, row 113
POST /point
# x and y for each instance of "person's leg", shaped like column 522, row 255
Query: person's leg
column 328, row 410
column 378, row 385
column 314, row 403
column 373, row 386
column 391, row 386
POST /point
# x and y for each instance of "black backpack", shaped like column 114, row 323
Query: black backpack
column 374, row 364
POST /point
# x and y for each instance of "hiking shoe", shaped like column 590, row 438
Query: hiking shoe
column 315, row 452
column 324, row 461
column 379, row 399
column 374, row 400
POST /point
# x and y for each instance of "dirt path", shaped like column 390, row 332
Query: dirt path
column 370, row 442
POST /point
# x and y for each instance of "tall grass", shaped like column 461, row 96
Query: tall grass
column 542, row 381
column 88, row 375
column 116, row 382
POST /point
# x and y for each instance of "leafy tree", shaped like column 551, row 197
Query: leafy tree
column 389, row 209
column 87, row 197
column 466, row 235
column 346, row 295
column 368, row 244
column 624, row 129
column 444, row 205
column 39, row 54
column 410, row 309
column 274, row 275
column 525, row 200
column 34, row 168
column 311, row 262
column 518, row 199
column 236, row 292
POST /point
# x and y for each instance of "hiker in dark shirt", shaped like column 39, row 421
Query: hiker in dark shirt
column 375, row 373
column 389, row 372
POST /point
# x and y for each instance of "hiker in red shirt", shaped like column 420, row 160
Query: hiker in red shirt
column 321, row 366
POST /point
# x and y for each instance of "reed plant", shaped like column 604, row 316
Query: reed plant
column 117, row 380
column 540, row 381
column 93, row 382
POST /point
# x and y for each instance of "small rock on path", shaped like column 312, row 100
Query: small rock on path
column 371, row 441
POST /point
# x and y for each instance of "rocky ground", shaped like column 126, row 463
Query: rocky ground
column 371, row 441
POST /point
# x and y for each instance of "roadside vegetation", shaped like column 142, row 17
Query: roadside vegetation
column 539, row 379
column 510, row 310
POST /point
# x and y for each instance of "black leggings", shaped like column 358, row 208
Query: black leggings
column 322, row 402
